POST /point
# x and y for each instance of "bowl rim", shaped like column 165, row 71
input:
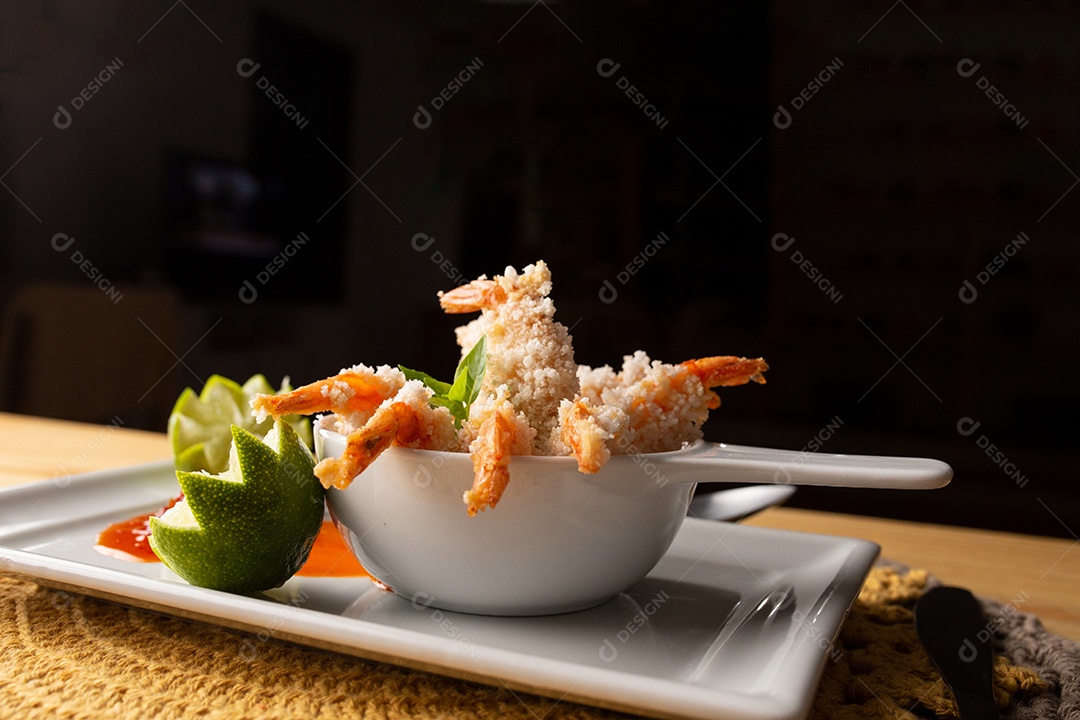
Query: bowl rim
column 636, row 457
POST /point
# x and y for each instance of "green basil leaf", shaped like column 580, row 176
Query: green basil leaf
column 458, row 397
column 470, row 373
column 456, row 408
column 437, row 386
column 476, row 362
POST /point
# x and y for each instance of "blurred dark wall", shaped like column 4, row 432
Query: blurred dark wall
column 878, row 198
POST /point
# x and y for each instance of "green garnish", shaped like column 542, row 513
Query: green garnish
column 250, row 527
column 459, row 396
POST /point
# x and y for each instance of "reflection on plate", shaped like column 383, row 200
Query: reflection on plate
column 734, row 622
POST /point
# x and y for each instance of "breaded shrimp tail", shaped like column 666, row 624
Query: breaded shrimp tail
column 528, row 352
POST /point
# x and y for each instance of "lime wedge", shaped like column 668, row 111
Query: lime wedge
column 250, row 527
column 199, row 425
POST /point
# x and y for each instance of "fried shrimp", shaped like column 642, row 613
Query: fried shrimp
column 395, row 421
column 666, row 405
column 583, row 435
column 501, row 431
column 586, row 429
column 533, row 399
column 530, row 371
column 358, row 389
column 407, row 419
column 374, row 409
column 726, row 371
column 476, row 296
column 490, row 456
column 527, row 350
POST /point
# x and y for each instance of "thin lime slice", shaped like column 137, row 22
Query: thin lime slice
column 199, row 425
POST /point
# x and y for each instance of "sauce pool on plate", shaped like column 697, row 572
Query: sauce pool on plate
column 129, row 540
column 331, row 557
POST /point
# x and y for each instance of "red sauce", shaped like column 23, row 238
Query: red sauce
column 127, row 540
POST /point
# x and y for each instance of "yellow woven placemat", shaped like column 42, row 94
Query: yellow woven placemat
column 878, row 669
column 64, row 655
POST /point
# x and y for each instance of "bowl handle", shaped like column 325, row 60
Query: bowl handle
column 720, row 462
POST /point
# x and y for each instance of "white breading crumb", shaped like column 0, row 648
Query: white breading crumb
column 634, row 367
column 531, row 377
column 437, row 424
column 389, row 374
column 527, row 351
column 338, row 392
column 593, row 381
column 468, row 334
column 260, row 413
column 611, row 421
column 522, row 433
column 665, row 404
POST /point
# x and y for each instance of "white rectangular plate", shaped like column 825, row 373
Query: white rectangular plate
column 735, row 622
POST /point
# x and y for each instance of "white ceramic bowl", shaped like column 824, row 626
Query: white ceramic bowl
column 558, row 540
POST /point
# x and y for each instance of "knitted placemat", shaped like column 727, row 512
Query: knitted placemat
column 64, row 655
column 878, row 669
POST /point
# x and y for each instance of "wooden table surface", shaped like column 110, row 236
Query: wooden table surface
column 1036, row 574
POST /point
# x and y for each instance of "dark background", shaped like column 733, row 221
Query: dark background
column 899, row 179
